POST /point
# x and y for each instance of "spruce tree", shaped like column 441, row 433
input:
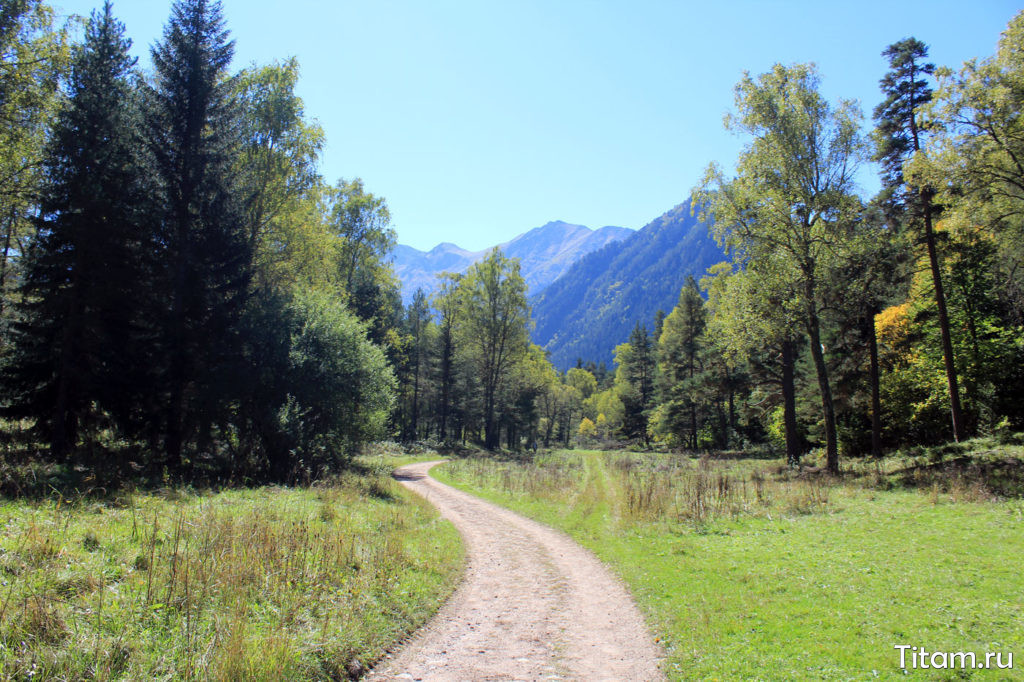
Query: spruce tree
column 417, row 322
column 75, row 340
column 194, row 137
column 635, row 382
column 898, row 137
column 446, row 302
column 680, row 367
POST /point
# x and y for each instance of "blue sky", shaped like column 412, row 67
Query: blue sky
column 480, row 120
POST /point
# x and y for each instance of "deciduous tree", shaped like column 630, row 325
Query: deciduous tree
column 496, row 319
column 792, row 200
column 34, row 57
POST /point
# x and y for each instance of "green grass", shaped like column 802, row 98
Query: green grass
column 266, row 583
column 749, row 571
column 383, row 458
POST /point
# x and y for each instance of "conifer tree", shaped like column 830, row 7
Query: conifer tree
column 194, row 136
column 634, row 382
column 447, row 303
column 679, row 365
column 416, row 363
column 898, row 137
column 74, row 343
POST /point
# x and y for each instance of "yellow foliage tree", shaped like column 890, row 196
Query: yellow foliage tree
column 587, row 430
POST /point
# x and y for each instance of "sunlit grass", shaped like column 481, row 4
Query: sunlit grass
column 748, row 570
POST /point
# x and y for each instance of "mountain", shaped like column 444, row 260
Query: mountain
column 544, row 254
column 594, row 306
column 419, row 269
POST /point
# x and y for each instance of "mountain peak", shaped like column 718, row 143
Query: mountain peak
column 448, row 247
column 558, row 224
column 544, row 253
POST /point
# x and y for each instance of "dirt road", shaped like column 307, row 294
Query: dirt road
column 533, row 605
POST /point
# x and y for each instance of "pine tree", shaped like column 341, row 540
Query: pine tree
column 74, row 345
column 898, row 137
column 447, row 302
column 417, row 362
column 679, row 363
column 194, row 136
column 634, row 382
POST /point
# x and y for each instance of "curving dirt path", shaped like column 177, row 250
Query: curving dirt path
column 533, row 605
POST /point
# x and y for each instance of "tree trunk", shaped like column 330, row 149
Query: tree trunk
column 789, row 404
column 693, row 426
column 947, row 345
column 827, row 407
column 446, row 380
column 414, row 430
column 876, row 403
column 732, row 417
column 178, row 372
column 491, row 431
column 956, row 413
column 64, row 429
column 693, row 405
column 723, row 426
column 4, row 260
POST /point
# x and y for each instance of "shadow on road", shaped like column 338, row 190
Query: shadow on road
column 400, row 475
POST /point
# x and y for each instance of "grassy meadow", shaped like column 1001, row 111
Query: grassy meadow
column 748, row 570
column 264, row 583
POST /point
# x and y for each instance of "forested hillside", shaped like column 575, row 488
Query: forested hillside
column 590, row 309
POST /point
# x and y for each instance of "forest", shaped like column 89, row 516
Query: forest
column 183, row 295
column 841, row 326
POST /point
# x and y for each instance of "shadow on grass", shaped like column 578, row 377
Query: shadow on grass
column 109, row 474
column 1003, row 477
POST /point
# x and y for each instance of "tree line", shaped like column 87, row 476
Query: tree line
column 840, row 323
column 181, row 290
column 184, row 293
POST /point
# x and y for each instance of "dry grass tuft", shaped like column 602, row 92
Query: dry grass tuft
column 654, row 487
column 271, row 583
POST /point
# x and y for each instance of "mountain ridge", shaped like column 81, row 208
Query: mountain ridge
column 544, row 253
column 594, row 305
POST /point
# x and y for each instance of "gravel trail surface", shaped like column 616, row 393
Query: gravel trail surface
column 533, row 605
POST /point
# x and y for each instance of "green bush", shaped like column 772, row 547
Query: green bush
column 340, row 388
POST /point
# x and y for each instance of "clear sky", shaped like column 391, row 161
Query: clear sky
column 478, row 120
